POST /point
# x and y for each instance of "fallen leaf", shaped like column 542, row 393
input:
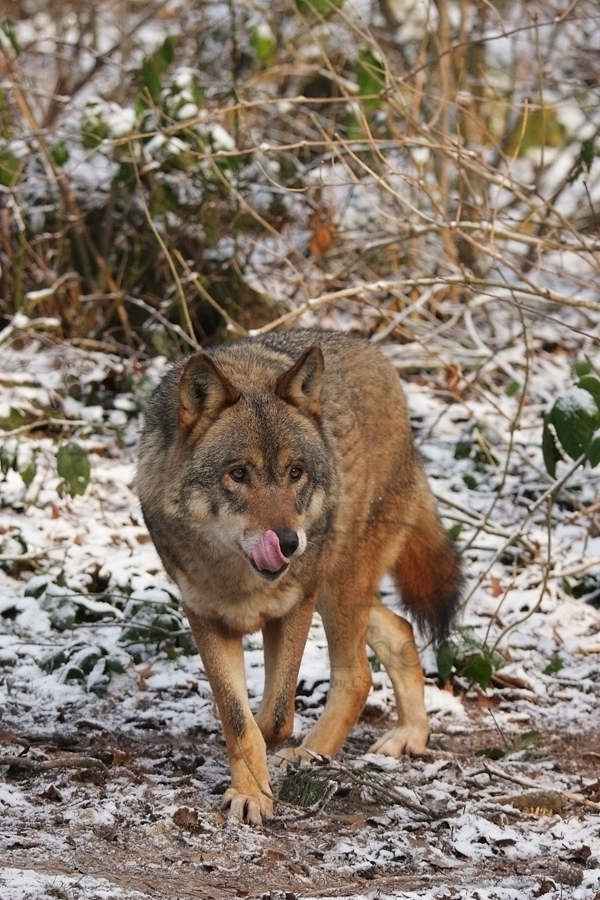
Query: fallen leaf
column 496, row 586
column 322, row 232
column 453, row 376
column 188, row 819
column 581, row 855
column 538, row 802
column 275, row 855
column 503, row 679
column 487, row 702
column 52, row 794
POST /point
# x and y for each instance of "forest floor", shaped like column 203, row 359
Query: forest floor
column 112, row 757
column 149, row 825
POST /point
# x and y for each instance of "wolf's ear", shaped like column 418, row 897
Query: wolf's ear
column 203, row 390
column 301, row 385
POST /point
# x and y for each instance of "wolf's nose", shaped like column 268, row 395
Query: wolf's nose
column 288, row 541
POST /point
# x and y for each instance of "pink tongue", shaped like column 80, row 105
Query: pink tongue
column 267, row 553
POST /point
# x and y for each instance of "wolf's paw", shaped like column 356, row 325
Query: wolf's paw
column 286, row 755
column 410, row 740
column 254, row 810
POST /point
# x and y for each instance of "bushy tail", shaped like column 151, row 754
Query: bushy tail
column 429, row 576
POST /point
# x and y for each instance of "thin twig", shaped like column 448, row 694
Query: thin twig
column 52, row 423
column 383, row 790
column 551, row 492
column 181, row 293
column 536, row 606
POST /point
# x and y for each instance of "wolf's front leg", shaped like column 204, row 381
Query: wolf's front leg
column 249, row 798
column 345, row 620
column 283, row 641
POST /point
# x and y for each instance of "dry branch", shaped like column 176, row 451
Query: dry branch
column 62, row 762
column 532, row 785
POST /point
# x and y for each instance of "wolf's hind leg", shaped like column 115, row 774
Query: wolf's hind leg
column 391, row 638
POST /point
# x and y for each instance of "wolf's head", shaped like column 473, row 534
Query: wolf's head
column 254, row 469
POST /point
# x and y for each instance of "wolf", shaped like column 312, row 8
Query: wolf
column 278, row 475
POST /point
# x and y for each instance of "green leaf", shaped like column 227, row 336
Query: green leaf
column 575, row 417
column 14, row 419
column 493, row 753
column 375, row 663
column 60, row 153
column 157, row 64
column 28, row 472
column 36, row 586
column 480, row 670
column 537, row 128
column 7, row 459
column 447, row 656
column 583, row 367
column 71, row 673
column 587, row 151
column 455, row 531
column 149, row 623
column 582, row 585
column 58, row 658
column 554, row 666
column 470, row 482
column 468, row 637
column 86, row 658
column 151, row 79
column 550, row 451
column 593, row 452
column 353, row 128
column 115, row 664
column 323, row 8
column 9, row 166
column 512, row 388
column 463, row 449
column 567, row 587
column 591, row 384
column 8, row 27
column 93, row 133
column 74, row 468
column 62, row 614
column 90, row 664
column 262, row 40
column 370, row 76
column 525, row 740
column 164, row 56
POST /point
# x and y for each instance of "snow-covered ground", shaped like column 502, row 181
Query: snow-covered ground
column 99, row 679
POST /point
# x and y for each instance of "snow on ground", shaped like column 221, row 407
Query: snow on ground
column 96, row 662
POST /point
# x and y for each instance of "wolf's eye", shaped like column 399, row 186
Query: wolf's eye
column 240, row 475
column 296, row 473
